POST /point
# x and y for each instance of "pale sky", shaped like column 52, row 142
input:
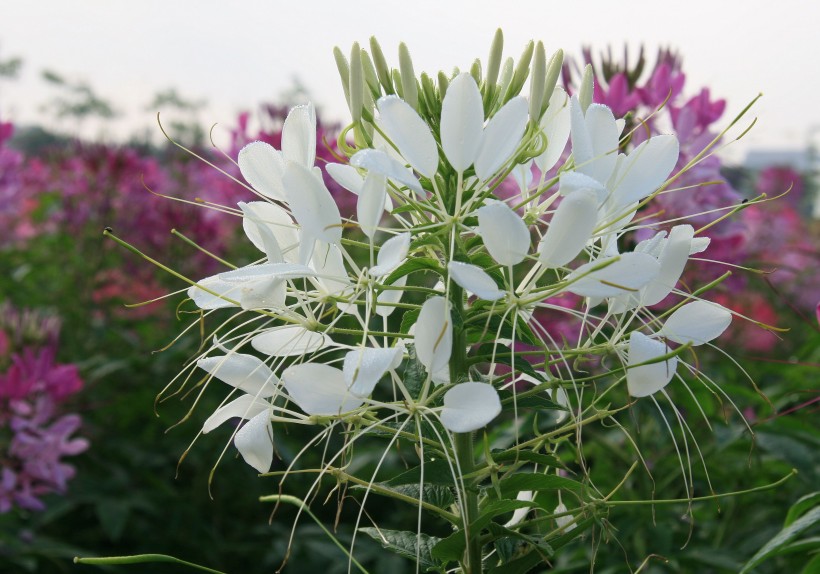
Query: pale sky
column 237, row 54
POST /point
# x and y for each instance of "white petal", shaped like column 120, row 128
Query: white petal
column 520, row 513
column 299, row 136
column 207, row 300
column 648, row 379
column 501, row 137
column 410, row 134
column 581, row 141
column 267, row 293
column 628, row 273
column 254, row 441
column 267, row 271
column 560, row 398
column 699, row 245
column 311, row 203
column 573, row 181
column 262, row 166
column 569, row 229
column 290, row 341
column 388, row 296
column 381, row 162
column 469, row 406
column 475, row 280
column 370, row 206
column 672, row 260
column 698, row 322
column 652, row 246
column 263, row 214
column 347, row 176
column 603, row 133
column 434, row 334
column 364, row 367
column 556, row 125
column 245, row 372
column 331, row 276
column 505, row 234
column 245, row 407
column 391, row 255
column 563, row 522
column 645, row 168
column 462, row 122
column 319, row 389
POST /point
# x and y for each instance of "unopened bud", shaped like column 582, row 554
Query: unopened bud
column 587, row 88
column 410, row 91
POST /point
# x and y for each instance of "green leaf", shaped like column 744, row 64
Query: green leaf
column 537, row 401
column 408, row 544
column 435, row 494
column 520, row 565
column 409, row 319
column 411, row 266
column 566, row 537
column 498, row 531
column 451, row 548
column 435, row 472
column 406, row 208
column 492, row 328
column 801, row 506
column 143, row 559
column 514, row 455
column 428, row 239
column 782, row 539
column 512, row 485
column 485, row 354
column 508, row 548
column 496, row 508
column 414, row 373
column 813, row 567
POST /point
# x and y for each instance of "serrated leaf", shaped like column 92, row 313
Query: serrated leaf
column 414, row 373
column 436, row 494
column 783, row 538
column 408, row 544
column 498, row 531
column 409, row 319
column 508, row 548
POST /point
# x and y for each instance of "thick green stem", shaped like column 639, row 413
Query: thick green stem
column 471, row 561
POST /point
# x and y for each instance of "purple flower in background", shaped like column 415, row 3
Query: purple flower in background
column 35, row 433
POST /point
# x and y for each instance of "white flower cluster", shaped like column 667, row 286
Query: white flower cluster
column 426, row 166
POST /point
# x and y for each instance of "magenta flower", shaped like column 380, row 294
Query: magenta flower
column 35, row 433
